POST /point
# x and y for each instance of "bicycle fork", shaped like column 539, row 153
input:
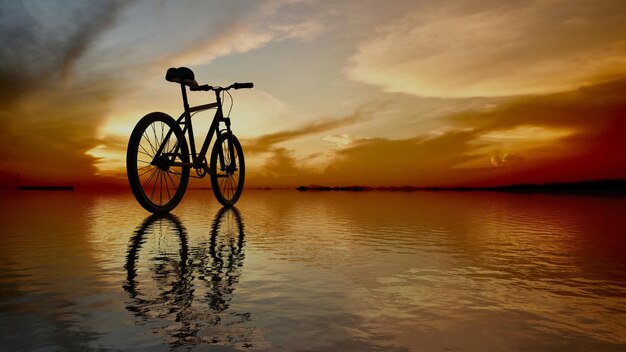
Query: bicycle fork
column 232, row 167
column 223, row 167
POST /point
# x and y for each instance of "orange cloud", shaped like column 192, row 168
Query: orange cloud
column 477, row 150
column 495, row 48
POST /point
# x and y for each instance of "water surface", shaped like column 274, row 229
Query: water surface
column 314, row 272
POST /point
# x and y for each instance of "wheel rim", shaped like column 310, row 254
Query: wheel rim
column 159, row 181
column 228, row 174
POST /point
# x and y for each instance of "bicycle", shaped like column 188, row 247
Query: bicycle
column 158, row 156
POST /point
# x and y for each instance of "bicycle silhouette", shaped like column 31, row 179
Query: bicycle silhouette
column 158, row 155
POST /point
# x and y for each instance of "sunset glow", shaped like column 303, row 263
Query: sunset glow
column 353, row 93
column 405, row 175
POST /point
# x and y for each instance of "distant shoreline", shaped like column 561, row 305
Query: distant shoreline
column 45, row 188
column 616, row 186
column 592, row 187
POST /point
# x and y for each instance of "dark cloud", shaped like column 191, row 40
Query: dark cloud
column 594, row 115
column 48, row 122
column 48, row 134
column 42, row 40
column 589, row 110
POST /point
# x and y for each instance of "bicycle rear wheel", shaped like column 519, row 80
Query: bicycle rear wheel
column 227, row 176
column 157, row 184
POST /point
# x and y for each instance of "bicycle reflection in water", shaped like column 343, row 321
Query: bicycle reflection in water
column 185, row 291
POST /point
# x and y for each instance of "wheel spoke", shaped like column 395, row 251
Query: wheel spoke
column 148, row 155
column 155, row 183
column 145, row 151
column 162, row 136
column 167, row 188
column 221, row 183
column 161, row 188
column 149, row 178
column 156, row 140
column 145, row 172
column 148, row 140
column 174, row 184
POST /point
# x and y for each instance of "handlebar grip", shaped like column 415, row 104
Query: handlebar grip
column 243, row 85
column 204, row 87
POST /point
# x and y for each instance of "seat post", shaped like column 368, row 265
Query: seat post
column 188, row 123
column 185, row 103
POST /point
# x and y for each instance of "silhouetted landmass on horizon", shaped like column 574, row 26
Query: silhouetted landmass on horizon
column 615, row 186
column 45, row 188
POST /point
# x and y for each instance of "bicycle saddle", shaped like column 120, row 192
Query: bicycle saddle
column 181, row 75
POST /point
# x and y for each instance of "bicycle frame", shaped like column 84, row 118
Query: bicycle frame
column 197, row 160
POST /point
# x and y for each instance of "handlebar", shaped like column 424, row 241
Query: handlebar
column 206, row 87
column 242, row 85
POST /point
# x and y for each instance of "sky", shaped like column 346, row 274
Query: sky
column 423, row 93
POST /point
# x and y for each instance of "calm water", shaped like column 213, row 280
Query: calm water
column 314, row 271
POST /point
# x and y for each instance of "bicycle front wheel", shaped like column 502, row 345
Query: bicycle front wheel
column 157, row 142
column 228, row 170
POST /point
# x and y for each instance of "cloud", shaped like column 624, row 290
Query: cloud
column 47, row 121
column 280, row 165
column 414, row 161
column 246, row 30
column 47, row 143
column 267, row 142
column 238, row 40
column 378, row 162
column 340, row 141
column 567, row 136
column 42, row 41
column 573, row 110
column 495, row 49
column 505, row 160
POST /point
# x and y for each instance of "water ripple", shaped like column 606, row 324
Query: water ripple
column 316, row 271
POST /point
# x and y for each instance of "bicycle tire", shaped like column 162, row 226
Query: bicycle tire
column 227, row 186
column 160, row 175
